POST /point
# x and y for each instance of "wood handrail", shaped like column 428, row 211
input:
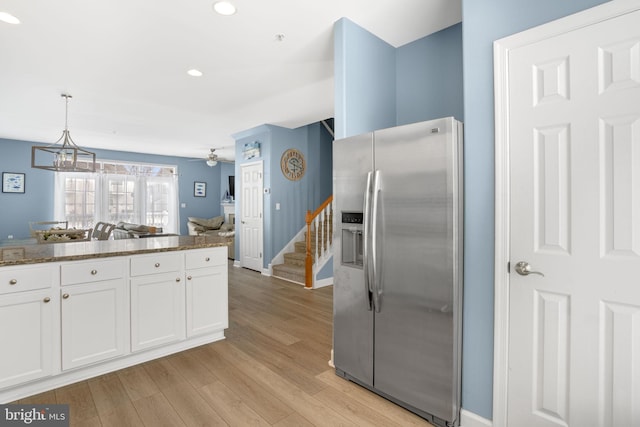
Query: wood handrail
column 311, row 216
column 308, row 263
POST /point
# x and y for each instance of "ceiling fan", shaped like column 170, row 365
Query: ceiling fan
column 212, row 158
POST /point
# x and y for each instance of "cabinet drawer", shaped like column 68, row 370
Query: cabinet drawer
column 210, row 257
column 92, row 271
column 26, row 278
column 155, row 263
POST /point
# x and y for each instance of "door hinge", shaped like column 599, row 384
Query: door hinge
column 508, row 266
column 260, row 254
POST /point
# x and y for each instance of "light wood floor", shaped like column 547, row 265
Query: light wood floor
column 270, row 371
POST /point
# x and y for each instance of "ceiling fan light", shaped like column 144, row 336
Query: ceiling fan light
column 211, row 163
column 9, row 18
column 224, row 8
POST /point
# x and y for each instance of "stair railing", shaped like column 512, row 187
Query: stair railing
column 318, row 245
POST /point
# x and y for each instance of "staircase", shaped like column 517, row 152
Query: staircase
column 293, row 268
column 297, row 266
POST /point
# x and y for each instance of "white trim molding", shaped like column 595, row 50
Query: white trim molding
column 501, row 51
column 469, row 419
column 321, row 283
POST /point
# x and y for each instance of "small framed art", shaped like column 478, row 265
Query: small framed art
column 12, row 182
column 199, row 189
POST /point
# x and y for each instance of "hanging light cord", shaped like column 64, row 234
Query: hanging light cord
column 66, row 109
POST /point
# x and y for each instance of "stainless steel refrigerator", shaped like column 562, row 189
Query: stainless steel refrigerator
column 398, row 265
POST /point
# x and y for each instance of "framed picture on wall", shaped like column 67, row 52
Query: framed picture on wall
column 12, row 182
column 199, row 189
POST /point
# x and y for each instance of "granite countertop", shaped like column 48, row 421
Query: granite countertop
column 72, row 251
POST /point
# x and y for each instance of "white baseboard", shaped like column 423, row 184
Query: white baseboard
column 469, row 419
column 323, row 282
column 267, row 271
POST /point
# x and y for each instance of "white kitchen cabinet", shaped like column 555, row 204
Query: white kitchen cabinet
column 66, row 321
column 206, row 291
column 94, row 322
column 157, row 300
column 26, row 334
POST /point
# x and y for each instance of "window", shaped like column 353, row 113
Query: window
column 119, row 191
column 80, row 197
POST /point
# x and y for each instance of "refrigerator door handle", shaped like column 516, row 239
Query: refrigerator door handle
column 375, row 279
column 365, row 243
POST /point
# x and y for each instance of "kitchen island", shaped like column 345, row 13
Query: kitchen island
column 72, row 311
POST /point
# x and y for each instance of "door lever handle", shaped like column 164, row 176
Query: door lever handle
column 524, row 269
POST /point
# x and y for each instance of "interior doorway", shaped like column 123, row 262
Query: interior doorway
column 567, row 235
column 251, row 218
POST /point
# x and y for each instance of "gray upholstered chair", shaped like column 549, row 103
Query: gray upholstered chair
column 102, row 231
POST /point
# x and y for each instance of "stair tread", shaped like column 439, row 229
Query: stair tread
column 297, row 255
column 288, row 268
column 293, row 273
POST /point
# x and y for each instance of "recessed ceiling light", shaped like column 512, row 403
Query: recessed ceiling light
column 8, row 18
column 224, row 8
column 194, row 73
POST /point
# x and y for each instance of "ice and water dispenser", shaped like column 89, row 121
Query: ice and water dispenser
column 352, row 239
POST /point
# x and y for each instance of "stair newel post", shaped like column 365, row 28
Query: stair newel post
column 308, row 263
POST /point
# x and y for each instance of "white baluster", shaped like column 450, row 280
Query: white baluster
column 317, row 222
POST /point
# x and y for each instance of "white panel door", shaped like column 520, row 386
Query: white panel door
column 574, row 333
column 251, row 217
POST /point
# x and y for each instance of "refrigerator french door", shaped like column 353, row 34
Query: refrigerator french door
column 398, row 265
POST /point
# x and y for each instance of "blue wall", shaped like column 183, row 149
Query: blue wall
column 378, row 86
column 294, row 197
column 320, row 163
column 364, row 65
column 37, row 202
column 429, row 77
column 484, row 22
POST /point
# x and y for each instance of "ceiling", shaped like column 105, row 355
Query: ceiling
column 125, row 63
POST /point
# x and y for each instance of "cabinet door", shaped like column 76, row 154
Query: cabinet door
column 207, row 308
column 157, row 310
column 26, row 334
column 94, row 322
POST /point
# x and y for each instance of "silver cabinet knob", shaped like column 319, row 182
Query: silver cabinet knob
column 207, row 259
column 94, row 272
column 157, row 264
column 189, row 277
column 46, row 299
column 65, row 296
column 524, row 269
column 13, row 281
column 177, row 279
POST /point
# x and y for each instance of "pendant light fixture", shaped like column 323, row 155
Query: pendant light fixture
column 67, row 157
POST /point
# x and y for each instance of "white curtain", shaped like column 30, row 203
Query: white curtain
column 149, row 200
